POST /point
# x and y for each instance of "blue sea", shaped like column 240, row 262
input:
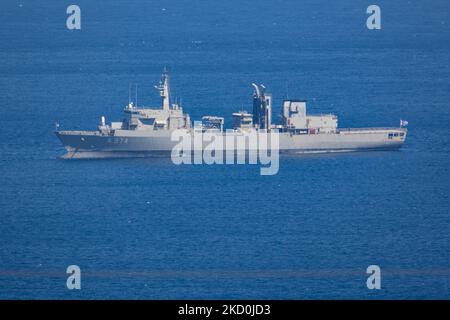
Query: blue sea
column 148, row 229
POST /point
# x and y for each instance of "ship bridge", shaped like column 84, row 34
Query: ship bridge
column 166, row 117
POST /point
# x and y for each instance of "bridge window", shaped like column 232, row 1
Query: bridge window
column 148, row 122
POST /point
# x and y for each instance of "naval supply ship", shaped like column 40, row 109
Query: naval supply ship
column 148, row 130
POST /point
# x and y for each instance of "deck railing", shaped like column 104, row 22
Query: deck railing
column 371, row 129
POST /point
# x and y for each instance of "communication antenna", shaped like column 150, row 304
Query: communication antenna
column 129, row 93
column 287, row 90
column 136, row 94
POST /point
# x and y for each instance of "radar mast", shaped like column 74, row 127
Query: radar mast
column 164, row 89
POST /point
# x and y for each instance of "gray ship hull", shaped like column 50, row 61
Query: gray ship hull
column 126, row 143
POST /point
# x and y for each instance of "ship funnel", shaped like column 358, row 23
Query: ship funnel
column 262, row 107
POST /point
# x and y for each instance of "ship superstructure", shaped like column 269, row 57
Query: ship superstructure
column 168, row 117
